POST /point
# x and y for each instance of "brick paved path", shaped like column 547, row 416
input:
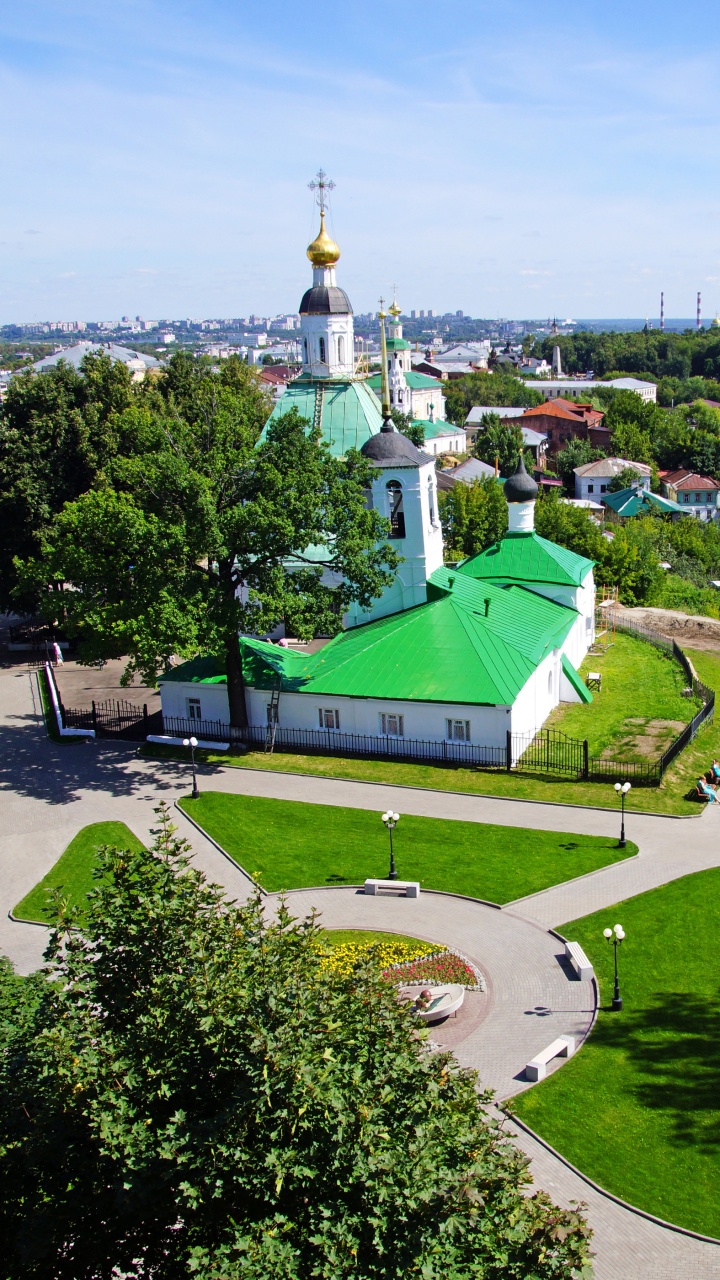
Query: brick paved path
column 49, row 791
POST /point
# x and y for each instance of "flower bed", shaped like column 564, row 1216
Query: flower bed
column 343, row 958
column 439, row 969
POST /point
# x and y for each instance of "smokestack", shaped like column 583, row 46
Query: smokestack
column 699, row 316
column 662, row 310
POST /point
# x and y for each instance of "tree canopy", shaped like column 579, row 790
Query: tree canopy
column 486, row 388
column 499, row 442
column 196, row 531
column 191, row 1090
column 473, row 516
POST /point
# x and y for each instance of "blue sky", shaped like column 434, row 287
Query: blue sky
column 508, row 159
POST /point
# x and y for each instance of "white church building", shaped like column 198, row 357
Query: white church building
column 448, row 661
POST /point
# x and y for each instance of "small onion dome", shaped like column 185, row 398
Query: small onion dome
column 389, row 448
column 323, row 252
column 520, row 487
column 325, row 300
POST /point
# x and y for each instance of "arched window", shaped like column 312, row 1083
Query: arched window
column 321, row 343
column 550, row 684
column 431, row 501
column 341, row 350
column 395, row 509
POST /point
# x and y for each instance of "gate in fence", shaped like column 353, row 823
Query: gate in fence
column 114, row 718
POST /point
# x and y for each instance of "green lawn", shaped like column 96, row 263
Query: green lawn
column 73, row 871
column 338, row 937
column 639, row 1108
column 285, row 844
column 641, row 686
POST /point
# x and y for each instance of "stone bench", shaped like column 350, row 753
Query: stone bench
column 411, row 888
column 564, row 1046
column 579, row 961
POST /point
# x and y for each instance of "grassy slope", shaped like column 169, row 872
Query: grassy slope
column 639, row 1108
column 285, row 844
column 638, row 680
column 73, row 871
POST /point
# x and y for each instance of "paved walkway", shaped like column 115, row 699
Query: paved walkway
column 49, row 791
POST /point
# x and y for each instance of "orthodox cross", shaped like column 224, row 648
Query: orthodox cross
column 321, row 183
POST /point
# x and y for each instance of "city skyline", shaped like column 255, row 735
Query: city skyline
column 156, row 158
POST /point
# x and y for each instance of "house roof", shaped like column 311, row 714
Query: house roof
column 688, row 480
column 555, row 409
column 633, row 502
column 472, row 470
column 347, row 410
column 75, row 355
column 435, row 429
column 605, row 467
column 490, row 650
column 526, row 557
column 416, row 381
column 479, row 411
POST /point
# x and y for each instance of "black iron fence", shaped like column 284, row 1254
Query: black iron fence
column 113, row 718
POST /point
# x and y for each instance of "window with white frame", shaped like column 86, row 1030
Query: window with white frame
column 341, row 349
column 193, row 709
column 321, row 344
column 392, row 725
column 329, row 718
column 457, row 730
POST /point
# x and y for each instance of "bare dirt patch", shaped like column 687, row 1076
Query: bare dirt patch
column 696, row 630
column 646, row 743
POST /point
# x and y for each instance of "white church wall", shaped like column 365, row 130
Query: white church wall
column 176, row 695
column 538, row 696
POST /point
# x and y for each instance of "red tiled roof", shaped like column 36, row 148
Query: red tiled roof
column 567, row 409
column 688, row 480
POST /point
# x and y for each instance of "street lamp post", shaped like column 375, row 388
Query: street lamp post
column 391, row 820
column 192, row 743
column 622, row 790
column 615, row 936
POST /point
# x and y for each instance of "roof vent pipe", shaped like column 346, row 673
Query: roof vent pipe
column 487, row 606
column 450, row 580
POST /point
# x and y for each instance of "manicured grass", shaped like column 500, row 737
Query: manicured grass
column 639, row 1108
column 73, row 871
column 640, row 684
column 285, row 844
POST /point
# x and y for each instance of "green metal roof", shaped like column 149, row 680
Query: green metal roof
column 634, row 502
column 447, row 650
column 397, row 344
column 346, row 410
column 526, row 557
column 576, row 680
column 416, row 381
column 201, row 670
column 433, row 429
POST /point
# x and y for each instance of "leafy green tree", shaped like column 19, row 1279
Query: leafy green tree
column 56, row 436
column 575, row 454
column 201, row 533
column 631, row 563
column 486, row 388
column 193, row 1091
column 473, row 516
column 497, row 441
column 631, row 442
column 571, row 527
column 625, row 479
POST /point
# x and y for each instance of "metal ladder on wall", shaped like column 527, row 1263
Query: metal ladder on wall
column 272, row 720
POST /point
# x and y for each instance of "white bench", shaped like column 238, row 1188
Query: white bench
column 579, row 961
column 411, row 888
column 564, row 1046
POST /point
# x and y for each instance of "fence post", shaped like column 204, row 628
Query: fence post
column 94, row 717
column 145, row 719
column 508, row 750
column 586, row 760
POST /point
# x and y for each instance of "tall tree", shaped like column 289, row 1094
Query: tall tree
column 473, row 516
column 495, row 441
column 56, row 435
column 200, row 533
column 193, row 1091
column 575, row 454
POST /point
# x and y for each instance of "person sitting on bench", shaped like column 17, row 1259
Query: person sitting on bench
column 705, row 789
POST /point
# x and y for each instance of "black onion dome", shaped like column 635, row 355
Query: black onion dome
column 390, row 448
column 325, row 300
column 520, row 487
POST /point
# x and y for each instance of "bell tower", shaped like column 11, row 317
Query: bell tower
column 326, row 318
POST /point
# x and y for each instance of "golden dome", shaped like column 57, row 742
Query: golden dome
column 395, row 310
column 323, row 252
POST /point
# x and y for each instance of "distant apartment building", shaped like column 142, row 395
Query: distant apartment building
column 574, row 388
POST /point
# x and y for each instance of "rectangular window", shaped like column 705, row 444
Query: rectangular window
column 591, row 488
column 686, row 497
column 193, row 709
column 328, row 718
column 392, row 725
column 603, row 488
column 458, row 730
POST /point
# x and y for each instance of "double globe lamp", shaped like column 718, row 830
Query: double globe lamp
column 615, row 936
